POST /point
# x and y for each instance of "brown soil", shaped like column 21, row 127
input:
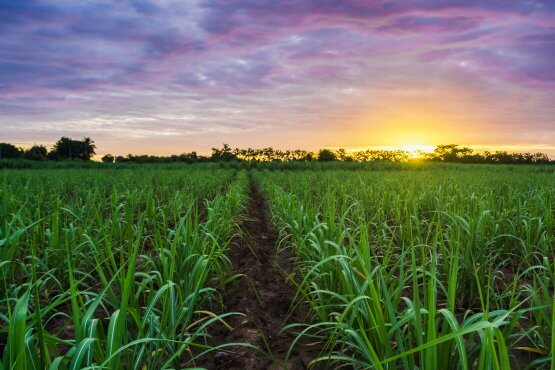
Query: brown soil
column 264, row 294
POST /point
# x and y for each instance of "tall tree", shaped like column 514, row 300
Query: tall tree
column 9, row 151
column 225, row 154
column 88, row 149
column 326, row 155
column 67, row 148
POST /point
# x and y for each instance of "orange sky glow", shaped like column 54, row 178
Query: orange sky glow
column 173, row 77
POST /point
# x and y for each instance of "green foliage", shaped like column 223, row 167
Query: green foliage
column 447, row 267
column 114, row 268
column 401, row 265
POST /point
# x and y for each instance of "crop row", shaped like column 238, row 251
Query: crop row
column 440, row 268
column 448, row 269
column 113, row 269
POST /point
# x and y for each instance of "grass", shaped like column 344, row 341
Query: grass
column 422, row 269
column 400, row 266
column 113, row 269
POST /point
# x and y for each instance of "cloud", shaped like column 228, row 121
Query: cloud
column 221, row 67
column 432, row 24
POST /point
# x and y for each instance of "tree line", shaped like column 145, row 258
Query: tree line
column 64, row 149
column 70, row 149
column 442, row 153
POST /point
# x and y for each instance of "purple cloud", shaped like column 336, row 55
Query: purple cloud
column 432, row 24
column 267, row 64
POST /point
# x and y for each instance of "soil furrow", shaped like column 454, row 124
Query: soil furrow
column 264, row 295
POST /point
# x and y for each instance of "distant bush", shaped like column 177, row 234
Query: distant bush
column 108, row 158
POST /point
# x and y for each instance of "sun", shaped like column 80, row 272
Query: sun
column 415, row 154
column 416, row 150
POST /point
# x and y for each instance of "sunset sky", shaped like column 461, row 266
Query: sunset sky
column 168, row 76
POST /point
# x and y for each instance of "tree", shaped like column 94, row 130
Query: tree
column 341, row 154
column 67, row 148
column 540, row 158
column 326, row 155
column 121, row 159
column 64, row 149
column 225, row 154
column 9, row 151
column 189, row 157
column 88, row 149
column 451, row 153
column 108, row 158
column 36, row 153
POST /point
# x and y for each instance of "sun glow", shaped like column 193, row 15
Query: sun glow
column 409, row 123
column 415, row 150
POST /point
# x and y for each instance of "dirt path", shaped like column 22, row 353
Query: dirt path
column 264, row 295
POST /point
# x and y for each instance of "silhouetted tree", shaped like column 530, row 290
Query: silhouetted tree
column 341, row 154
column 326, row 155
column 36, row 153
column 371, row 155
column 225, row 154
column 121, row 159
column 540, row 158
column 451, row 153
column 188, row 157
column 88, row 149
column 67, row 148
column 455, row 153
column 10, row 151
column 108, row 158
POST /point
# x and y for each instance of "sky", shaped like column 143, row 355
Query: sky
column 163, row 77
